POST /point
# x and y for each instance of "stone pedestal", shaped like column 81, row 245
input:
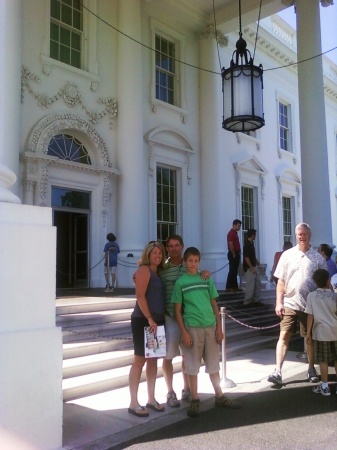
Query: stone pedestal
column 30, row 343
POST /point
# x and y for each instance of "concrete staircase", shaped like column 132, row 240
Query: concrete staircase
column 97, row 343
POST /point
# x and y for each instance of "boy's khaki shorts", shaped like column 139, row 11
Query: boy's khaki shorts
column 204, row 347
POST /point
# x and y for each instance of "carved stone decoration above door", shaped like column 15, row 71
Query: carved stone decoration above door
column 37, row 161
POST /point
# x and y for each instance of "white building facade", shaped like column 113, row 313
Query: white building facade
column 118, row 129
column 151, row 158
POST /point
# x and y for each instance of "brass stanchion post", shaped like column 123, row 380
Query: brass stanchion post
column 225, row 382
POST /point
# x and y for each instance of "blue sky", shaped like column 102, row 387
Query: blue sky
column 328, row 27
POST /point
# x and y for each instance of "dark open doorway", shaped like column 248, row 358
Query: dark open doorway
column 71, row 249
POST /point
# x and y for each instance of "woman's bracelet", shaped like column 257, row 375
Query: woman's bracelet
column 148, row 317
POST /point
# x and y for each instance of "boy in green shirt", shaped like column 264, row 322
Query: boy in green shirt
column 198, row 317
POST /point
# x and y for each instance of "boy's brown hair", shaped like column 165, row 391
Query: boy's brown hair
column 321, row 278
column 191, row 251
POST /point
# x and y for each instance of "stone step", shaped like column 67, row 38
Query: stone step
column 84, row 359
column 115, row 378
column 108, row 380
column 92, row 304
column 96, row 332
column 85, row 365
column 98, row 348
column 89, row 318
column 79, row 349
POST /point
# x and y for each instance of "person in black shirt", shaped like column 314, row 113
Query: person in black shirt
column 253, row 279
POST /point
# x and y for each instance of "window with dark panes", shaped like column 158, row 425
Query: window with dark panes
column 166, row 202
column 284, row 131
column 66, row 29
column 165, row 70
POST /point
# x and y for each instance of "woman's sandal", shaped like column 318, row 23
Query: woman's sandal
column 155, row 406
column 137, row 411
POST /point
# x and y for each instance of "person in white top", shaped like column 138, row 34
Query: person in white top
column 294, row 272
column 322, row 326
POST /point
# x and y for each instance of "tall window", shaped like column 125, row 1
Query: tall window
column 165, row 70
column 66, row 28
column 166, row 202
column 284, row 130
column 287, row 216
column 248, row 210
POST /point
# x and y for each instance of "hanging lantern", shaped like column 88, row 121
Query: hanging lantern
column 242, row 90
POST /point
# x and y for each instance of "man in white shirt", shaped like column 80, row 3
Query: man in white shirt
column 294, row 272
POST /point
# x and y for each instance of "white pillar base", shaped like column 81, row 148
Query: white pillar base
column 30, row 343
column 7, row 179
column 31, row 386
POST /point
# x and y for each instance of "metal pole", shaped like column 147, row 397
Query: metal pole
column 225, row 382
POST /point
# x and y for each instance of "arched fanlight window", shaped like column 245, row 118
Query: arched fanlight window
column 69, row 148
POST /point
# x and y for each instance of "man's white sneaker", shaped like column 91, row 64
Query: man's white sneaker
column 275, row 377
column 312, row 375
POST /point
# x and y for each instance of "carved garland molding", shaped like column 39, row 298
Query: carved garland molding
column 211, row 33
column 71, row 96
column 37, row 149
column 53, row 124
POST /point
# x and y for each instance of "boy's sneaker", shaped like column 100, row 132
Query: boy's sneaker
column 225, row 402
column 319, row 389
column 172, row 400
column 275, row 377
column 186, row 395
column 193, row 409
column 312, row 375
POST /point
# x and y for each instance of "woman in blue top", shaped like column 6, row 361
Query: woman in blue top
column 148, row 312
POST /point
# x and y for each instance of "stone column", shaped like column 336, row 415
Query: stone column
column 10, row 73
column 30, row 343
column 213, row 217
column 132, row 210
column 314, row 154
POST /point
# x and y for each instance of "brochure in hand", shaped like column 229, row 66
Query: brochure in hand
column 155, row 344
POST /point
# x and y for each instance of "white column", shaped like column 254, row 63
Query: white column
column 30, row 343
column 10, row 74
column 212, row 208
column 132, row 193
column 314, row 155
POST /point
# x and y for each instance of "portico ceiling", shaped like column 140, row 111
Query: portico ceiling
column 200, row 12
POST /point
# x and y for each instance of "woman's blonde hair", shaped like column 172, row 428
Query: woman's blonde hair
column 145, row 258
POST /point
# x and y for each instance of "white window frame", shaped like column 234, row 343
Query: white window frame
column 282, row 127
column 178, row 178
column 89, row 64
column 289, row 185
column 168, row 148
column 171, row 74
column 70, row 28
column 178, row 40
column 290, row 153
column 255, row 209
column 288, row 237
column 251, row 173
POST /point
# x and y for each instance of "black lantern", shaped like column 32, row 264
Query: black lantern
column 242, row 86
